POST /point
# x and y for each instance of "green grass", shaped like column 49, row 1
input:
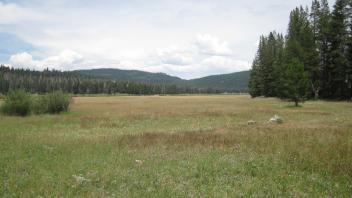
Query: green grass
column 191, row 146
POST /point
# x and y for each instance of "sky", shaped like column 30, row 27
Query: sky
column 184, row 38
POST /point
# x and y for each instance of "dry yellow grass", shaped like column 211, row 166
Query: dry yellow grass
column 189, row 146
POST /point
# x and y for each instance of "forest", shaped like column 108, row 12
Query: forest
column 312, row 61
column 75, row 83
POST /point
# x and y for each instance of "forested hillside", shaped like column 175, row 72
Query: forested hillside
column 313, row 60
column 73, row 82
column 234, row 82
column 132, row 75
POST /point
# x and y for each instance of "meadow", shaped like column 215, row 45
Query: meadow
column 179, row 146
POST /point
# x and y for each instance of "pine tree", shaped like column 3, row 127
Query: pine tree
column 337, row 80
column 301, row 45
column 315, row 18
column 320, row 17
column 322, row 32
column 254, row 81
column 295, row 82
column 279, row 68
column 271, row 51
column 349, row 51
column 264, row 75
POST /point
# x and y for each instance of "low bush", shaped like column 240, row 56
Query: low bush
column 52, row 103
column 17, row 103
column 20, row 103
column 39, row 104
column 57, row 102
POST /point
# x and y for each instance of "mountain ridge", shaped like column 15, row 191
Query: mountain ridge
column 232, row 82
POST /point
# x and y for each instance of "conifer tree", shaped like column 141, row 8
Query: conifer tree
column 295, row 82
column 322, row 17
column 349, row 51
column 337, row 77
column 264, row 73
column 319, row 40
column 301, row 45
column 254, row 81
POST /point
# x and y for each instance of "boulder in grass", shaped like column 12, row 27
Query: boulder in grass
column 139, row 162
column 276, row 120
column 251, row 122
column 79, row 180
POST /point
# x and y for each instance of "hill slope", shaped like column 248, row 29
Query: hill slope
column 132, row 75
column 229, row 82
column 226, row 82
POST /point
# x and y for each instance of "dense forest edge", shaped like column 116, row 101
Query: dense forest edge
column 312, row 61
column 76, row 83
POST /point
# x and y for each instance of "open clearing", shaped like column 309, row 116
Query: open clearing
column 179, row 146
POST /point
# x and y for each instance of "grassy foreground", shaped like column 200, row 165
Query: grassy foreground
column 179, row 146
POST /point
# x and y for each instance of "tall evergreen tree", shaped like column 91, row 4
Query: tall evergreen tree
column 319, row 40
column 320, row 17
column 349, row 51
column 254, row 81
column 301, row 45
column 279, row 65
column 268, row 59
column 322, row 33
column 337, row 79
column 263, row 75
column 295, row 82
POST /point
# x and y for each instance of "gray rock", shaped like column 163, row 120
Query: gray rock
column 276, row 120
column 79, row 179
column 251, row 122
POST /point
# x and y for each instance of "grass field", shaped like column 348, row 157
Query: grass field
column 185, row 146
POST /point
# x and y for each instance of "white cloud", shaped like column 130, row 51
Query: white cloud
column 66, row 60
column 187, row 61
column 12, row 13
column 176, row 55
column 225, row 64
column 205, row 55
column 134, row 35
column 211, row 45
column 23, row 60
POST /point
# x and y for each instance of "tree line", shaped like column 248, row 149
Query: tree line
column 314, row 58
column 71, row 82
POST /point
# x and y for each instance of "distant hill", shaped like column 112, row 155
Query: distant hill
column 132, row 75
column 229, row 82
column 233, row 82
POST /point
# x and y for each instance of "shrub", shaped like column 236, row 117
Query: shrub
column 56, row 102
column 22, row 103
column 17, row 103
column 39, row 104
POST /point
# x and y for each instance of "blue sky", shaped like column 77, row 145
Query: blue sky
column 185, row 38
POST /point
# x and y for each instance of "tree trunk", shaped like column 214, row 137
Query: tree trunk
column 316, row 94
column 350, row 88
column 296, row 103
column 316, row 91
